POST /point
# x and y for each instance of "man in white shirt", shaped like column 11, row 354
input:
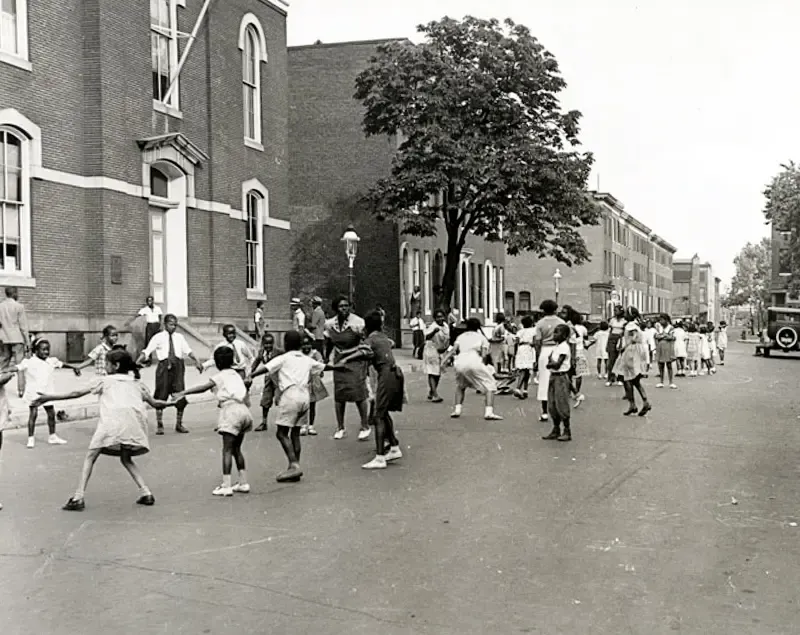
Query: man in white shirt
column 258, row 320
column 292, row 373
column 417, row 325
column 171, row 349
column 152, row 317
column 318, row 320
column 299, row 318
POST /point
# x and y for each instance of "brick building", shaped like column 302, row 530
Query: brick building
column 695, row 290
column 115, row 189
column 781, row 269
column 331, row 160
column 629, row 264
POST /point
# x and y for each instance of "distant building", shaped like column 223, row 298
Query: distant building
column 629, row 265
column 332, row 160
column 695, row 290
column 781, row 269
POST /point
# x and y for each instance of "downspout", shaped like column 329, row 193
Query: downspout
column 211, row 171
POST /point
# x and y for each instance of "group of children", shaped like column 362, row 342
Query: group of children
column 292, row 383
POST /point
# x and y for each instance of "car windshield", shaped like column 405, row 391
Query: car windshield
column 785, row 317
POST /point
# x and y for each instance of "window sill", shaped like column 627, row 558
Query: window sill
column 16, row 280
column 14, row 60
column 255, row 294
column 167, row 110
column 253, row 144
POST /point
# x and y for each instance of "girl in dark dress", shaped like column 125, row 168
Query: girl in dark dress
column 389, row 392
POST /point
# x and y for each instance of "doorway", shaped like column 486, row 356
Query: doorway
column 158, row 256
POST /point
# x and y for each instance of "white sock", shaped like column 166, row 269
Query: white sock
column 226, row 480
column 489, row 411
column 145, row 491
column 457, row 409
column 242, row 477
column 53, row 436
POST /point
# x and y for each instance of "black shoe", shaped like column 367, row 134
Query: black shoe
column 147, row 499
column 74, row 505
column 631, row 411
column 261, row 428
column 180, row 429
column 567, row 436
column 645, row 409
column 160, row 431
column 554, row 434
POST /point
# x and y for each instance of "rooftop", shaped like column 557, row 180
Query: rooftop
column 617, row 205
column 377, row 42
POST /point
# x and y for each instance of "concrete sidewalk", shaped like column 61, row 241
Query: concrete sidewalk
column 87, row 407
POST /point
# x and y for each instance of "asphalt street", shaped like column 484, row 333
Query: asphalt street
column 686, row 521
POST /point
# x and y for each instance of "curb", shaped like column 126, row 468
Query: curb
column 82, row 412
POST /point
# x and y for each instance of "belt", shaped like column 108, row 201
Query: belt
column 554, row 373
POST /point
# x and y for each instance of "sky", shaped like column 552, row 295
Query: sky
column 689, row 107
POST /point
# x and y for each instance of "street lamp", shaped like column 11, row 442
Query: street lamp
column 350, row 240
column 556, row 279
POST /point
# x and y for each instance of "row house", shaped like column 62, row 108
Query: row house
column 143, row 151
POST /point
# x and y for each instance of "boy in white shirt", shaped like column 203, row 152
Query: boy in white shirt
column 417, row 325
column 171, row 349
column 36, row 378
column 243, row 356
column 558, row 393
column 291, row 373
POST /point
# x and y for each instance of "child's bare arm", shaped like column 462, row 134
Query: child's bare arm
column 552, row 364
column 75, row 394
column 7, row 376
column 74, row 369
column 195, row 390
column 158, row 404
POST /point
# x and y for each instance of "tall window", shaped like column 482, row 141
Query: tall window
column 11, row 201
column 253, row 241
column 524, row 302
column 163, row 48
column 251, row 78
column 427, row 291
column 415, row 272
column 14, row 32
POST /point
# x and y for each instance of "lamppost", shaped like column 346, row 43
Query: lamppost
column 350, row 240
column 556, row 279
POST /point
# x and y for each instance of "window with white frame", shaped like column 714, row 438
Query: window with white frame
column 254, row 214
column 251, row 78
column 14, row 29
column 426, row 286
column 163, row 49
column 13, row 205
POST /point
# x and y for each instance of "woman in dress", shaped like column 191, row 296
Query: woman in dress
column 616, row 329
column 545, row 342
column 581, row 337
column 389, row 390
column 344, row 332
column 632, row 363
column 469, row 351
column 665, row 350
column 437, row 341
column 526, row 356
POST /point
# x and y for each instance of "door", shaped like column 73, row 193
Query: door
column 158, row 256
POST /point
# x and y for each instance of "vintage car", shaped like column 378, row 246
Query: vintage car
column 783, row 331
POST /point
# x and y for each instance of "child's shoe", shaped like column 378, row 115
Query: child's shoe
column 566, row 436
column 303, row 431
column 241, row 488
column 74, row 505
column 222, row 490
column 292, row 474
column 339, row 434
column 659, row 385
column 378, row 463
column 54, row 439
column 579, row 399
column 673, row 386
column 554, row 434
column 312, row 431
column 363, row 435
column 147, row 500
column 393, row 454
column 645, row 409
column 31, row 443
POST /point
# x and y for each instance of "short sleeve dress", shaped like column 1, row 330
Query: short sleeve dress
column 316, row 389
column 390, row 384
column 581, row 362
column 526, row 355
column 349, row 381
column 435, row 348
column 123, row 416
column 471, row 347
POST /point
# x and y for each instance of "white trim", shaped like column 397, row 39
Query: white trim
column 282, row 5
column 19, row 280
column 252, row 294
column 277, row 223
column 21, row 55
column 255, row 145
column 248, row 20
column 248, row 187
column 13, row 60
column 160, row 106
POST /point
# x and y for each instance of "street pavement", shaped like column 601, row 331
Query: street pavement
column 682, row 522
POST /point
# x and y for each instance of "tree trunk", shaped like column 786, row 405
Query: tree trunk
column 450, row 277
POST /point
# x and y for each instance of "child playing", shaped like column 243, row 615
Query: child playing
column 267, row 353
column 35, row 377
column 706, row 364
column 122, row 426
column 712, row 344
column 692, row 349
column 170, row 348
column 526, row 356
column 665, row 350
column 680, row 350
column 292, row 373
column 581, row 368
column 510, row 345
column 242, row 355
column 601, row 344
column 5, row 410
column 98, row 354
column 234, row 419
column 316, row 388
column 722, row 341
column 558, row 392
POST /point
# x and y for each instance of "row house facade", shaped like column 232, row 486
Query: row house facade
column 629, row 265
column 781, row 269
column 695, row 290
column 120, row 178
column 332, row 160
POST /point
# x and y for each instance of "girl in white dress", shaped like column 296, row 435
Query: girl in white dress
column 122, row 427
column 469, row 351
column 437, row 341
column 681, row 338
column 526, row 356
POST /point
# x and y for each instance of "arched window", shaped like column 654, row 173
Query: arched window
column 159, row 183
column 12, row 201
column 253, row 45
column 254, row 231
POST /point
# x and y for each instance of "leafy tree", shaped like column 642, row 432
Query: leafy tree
column 750, row 284
column 485, row 146
column 783, row 211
